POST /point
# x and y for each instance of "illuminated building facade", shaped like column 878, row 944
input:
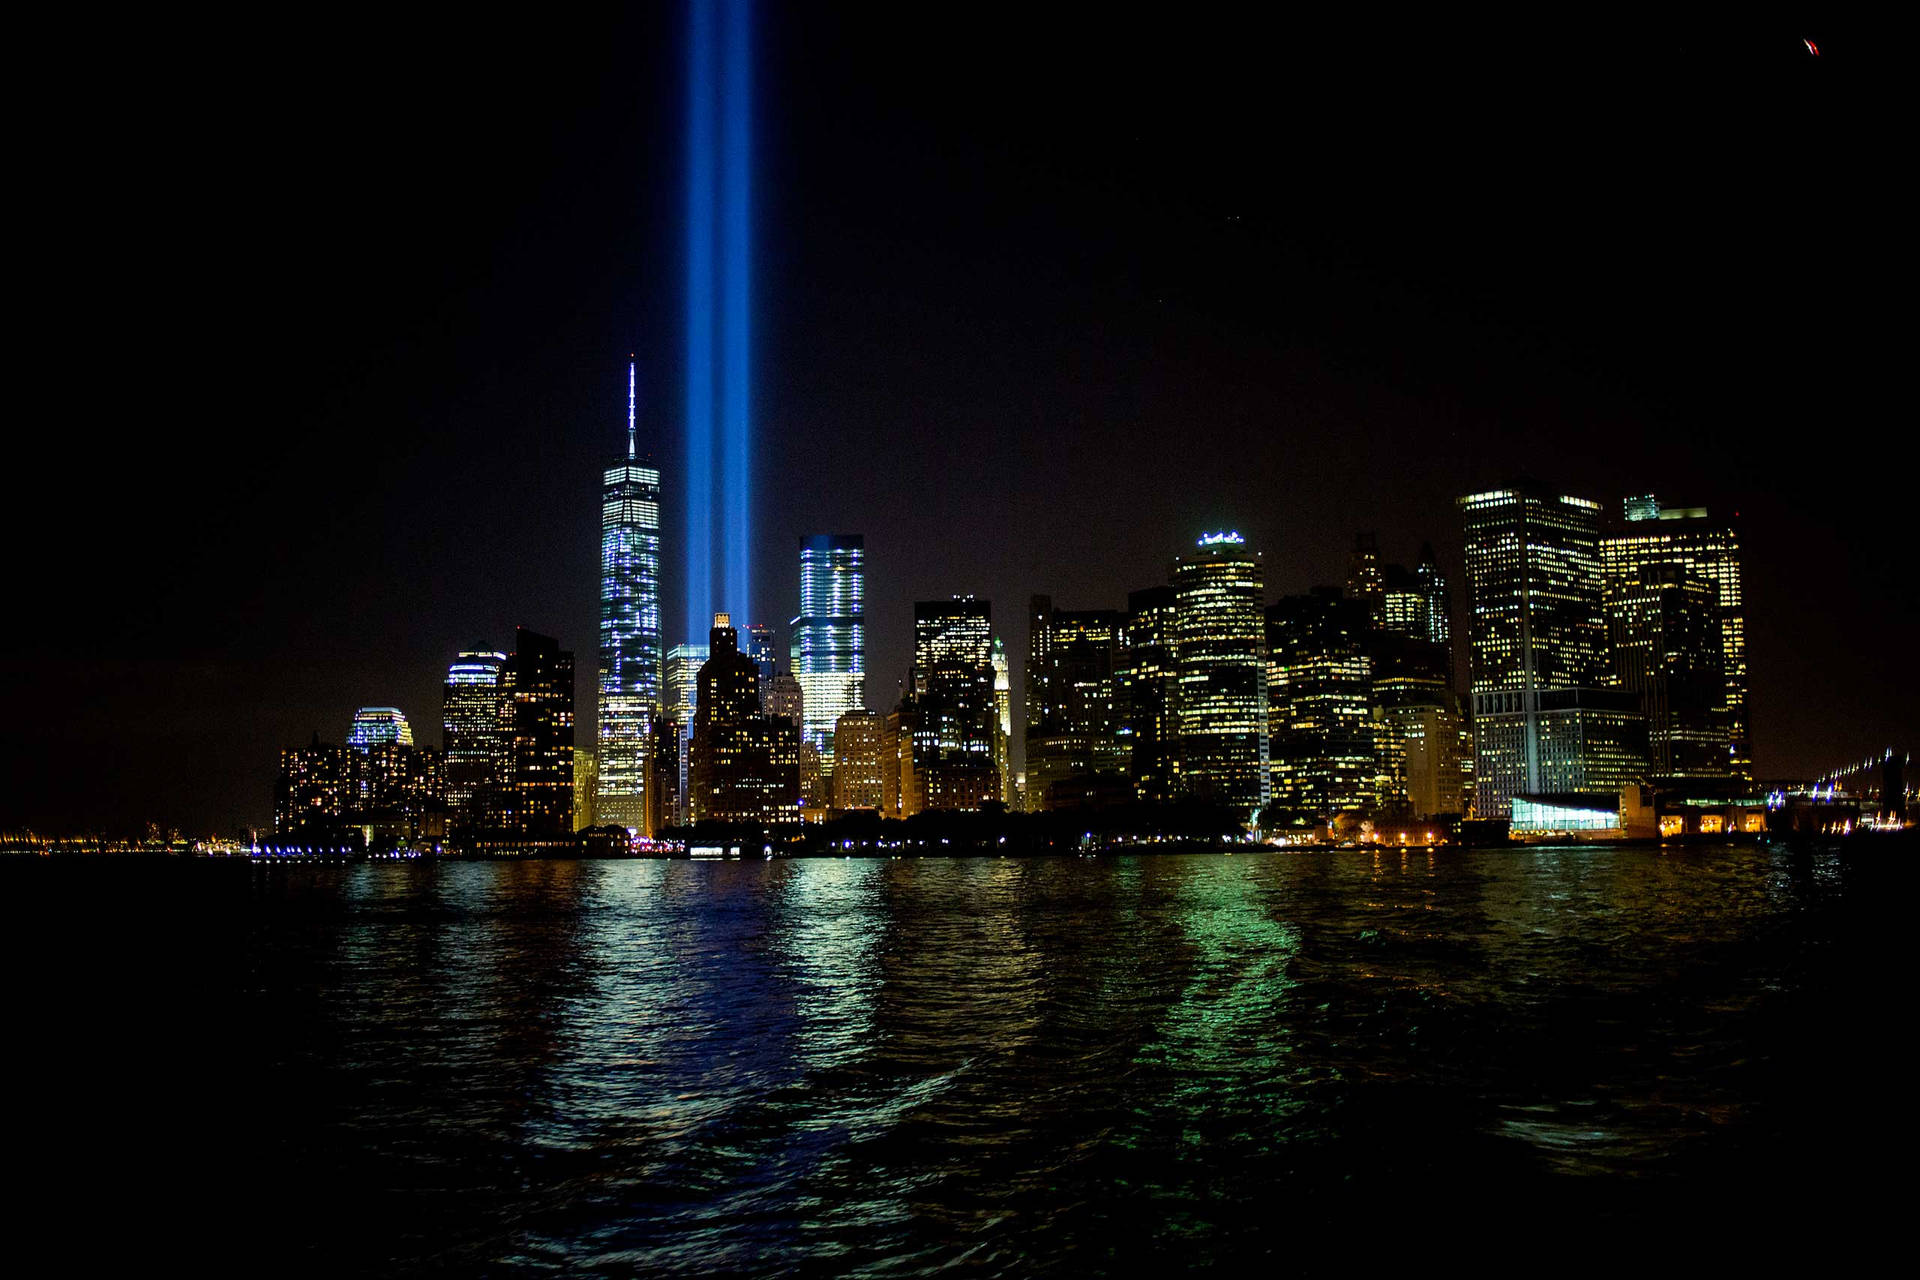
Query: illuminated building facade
column 1665, row 629
column 374, row 725
column 746, row 766
column 760, row 648
column 1073, row 714
column 1002, row 723
column 954, row 709
column 629, row 632
column 683, row 681
column 1418, row 726
column 1148, row 686
column 1366, row 577
column 1688, row 541
column 470, row 724
column 831, row 635
column 1320, row 699
column 315, row 787
column 1219, row 644
column 586, row 787
column 533, row 804
column 859, row 772
column 1544, row 717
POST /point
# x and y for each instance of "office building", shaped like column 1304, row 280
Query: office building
column 859, row 769
column 1545, row 717
column 1220, row 654
column 1148, row 687
column 630, row 657
column 682, row 688
column 1665, row 630
column 955, row 714
column 746, row 766
column 1073, row 713
column 1321, row 700
column 374, row 725
column 470, row 725
column 1002, row 723
column 533, row 805
column 1690, row 542
column 830, row 635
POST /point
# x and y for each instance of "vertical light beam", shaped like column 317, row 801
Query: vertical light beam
column 700, row 318
column 735, row 506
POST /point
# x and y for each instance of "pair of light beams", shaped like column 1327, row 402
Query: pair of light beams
column 719, row 302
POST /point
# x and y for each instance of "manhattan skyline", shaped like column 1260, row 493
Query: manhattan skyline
column 1018, row 355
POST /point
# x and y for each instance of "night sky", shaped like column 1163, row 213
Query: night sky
column 328, row 325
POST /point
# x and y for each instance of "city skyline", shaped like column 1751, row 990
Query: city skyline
column 995, row 413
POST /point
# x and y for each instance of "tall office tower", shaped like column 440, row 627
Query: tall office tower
column 683, row 676
column 1320, row 699
column 535, row 795
column 831, row 633
column 1665, row 628
column 746, row 766
column 1708, row 551
column 315, row 787
column 586, row 788
column 374, row 725
column 1365, row 580
column 629, row 631
column 1432, row 584
column 469, row 720
column 1543, row 721
column 1002, row 723
column 859, row 773
column 953, row 701
column 761, row 650
column 1148, row 684
column 1073, row 720
column 1220, row 650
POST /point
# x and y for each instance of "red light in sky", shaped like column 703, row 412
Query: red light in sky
column 1812, row 48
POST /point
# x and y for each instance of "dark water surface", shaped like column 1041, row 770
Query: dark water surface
column 983, row 1065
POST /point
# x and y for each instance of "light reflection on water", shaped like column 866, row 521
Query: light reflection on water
column 1004, row 1065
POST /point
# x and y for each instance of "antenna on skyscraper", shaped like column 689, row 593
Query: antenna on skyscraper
column 629, row 407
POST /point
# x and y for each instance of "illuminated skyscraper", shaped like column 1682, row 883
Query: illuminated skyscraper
column 760, row 648
column 374, row 725
column 683, row 675
column 533, row 803
column 629, row 631
column 1707, row 551
column 1665, row 629
column 1073, row 724
column 1366, row 579
column 1220, row 652
column 831, row 635
column 1543, row 719
column 954, row 720
column 1149, row 685
column 470, row 722
column 860, row 741
column 1320, row 692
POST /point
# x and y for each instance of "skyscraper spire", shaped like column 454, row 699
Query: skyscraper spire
column 629, row 408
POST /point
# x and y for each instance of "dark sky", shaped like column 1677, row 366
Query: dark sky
column 328, row 321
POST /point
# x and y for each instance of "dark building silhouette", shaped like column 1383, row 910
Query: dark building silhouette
column 1073, row 707
column 745, row 766
column 531, row 803
column 1147, row 683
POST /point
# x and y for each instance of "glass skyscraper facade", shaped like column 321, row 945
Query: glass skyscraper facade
column 470, row 724
column 1220, row 652
column 629, row 632
column 1320, row 699
column 830, row 635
